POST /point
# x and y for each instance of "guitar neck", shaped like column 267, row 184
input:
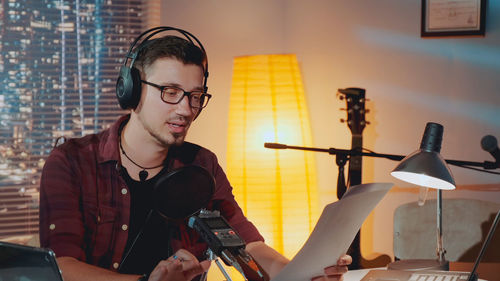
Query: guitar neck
column 355, row 101
column 355, row 162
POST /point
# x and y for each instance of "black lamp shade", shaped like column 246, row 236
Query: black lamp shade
column 426, row 167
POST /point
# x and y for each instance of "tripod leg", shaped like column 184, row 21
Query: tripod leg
column 223, row 270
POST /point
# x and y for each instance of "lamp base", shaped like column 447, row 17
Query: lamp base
column 419, row 264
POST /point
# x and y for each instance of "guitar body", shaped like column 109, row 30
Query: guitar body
column 355, row 100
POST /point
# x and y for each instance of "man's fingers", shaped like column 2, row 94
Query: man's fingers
column 167, row 270
column 181, row 266
column 191, row 267
column 344, row 260
column 175, row 272
column 205, row 265
column 195, row 269
column 332, row 273
column 336, row 270
column 329, row 278
column 183, row 255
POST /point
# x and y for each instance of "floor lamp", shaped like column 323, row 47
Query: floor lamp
column 426, row 167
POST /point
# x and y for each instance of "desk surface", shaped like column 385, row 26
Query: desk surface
column 486, row 271
column 355, row 275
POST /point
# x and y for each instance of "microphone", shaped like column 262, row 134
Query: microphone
column 274, row 145
column 489, row 143
column 225, row 242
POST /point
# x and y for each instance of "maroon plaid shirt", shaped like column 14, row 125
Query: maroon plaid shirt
column 85, row 204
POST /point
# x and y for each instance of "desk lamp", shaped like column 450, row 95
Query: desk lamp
column 426, row 167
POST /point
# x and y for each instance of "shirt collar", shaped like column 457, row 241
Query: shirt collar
column 108, row 145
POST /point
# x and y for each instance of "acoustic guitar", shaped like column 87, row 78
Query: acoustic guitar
column 355, row 101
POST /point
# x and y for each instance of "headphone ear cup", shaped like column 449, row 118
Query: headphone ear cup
column 128, row 87
column 135, row 76
column 124, row 87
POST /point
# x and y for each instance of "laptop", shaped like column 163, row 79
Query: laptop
column 433, row 275
column 19, row 262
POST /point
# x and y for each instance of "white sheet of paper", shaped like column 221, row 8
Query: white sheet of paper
column 334, row 232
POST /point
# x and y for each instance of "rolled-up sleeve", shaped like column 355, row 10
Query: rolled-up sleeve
column 61, row 221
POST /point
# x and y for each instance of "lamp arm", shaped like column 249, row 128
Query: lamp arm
column 334, row 151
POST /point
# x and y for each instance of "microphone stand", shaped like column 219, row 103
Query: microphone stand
column 343, row 155
column 354, row 152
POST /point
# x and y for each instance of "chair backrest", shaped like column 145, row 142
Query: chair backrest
column 465, row 225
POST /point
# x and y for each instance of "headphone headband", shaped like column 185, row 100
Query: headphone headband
column 132, row 54
column 128, row 85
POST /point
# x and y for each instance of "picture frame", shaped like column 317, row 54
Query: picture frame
column 453, row 18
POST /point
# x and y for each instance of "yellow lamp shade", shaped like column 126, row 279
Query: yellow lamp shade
column 277, row 190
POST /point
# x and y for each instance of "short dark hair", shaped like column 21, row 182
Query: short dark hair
column 169, row 47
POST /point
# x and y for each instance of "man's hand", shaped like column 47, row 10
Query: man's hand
column 182, row 266
column 335, row 272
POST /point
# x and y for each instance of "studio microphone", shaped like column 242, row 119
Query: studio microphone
column 489, row 143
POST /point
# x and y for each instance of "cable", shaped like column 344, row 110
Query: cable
column 476, row 169
column 366, row 149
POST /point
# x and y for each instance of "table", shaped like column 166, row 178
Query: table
column 486, row 271
column 356, row 275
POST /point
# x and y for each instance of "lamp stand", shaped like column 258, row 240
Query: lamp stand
column 424, row 264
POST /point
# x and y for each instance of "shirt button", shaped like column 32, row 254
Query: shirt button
column 124, row 191
column 115, row 265
column 124, row 227
column 52, row 226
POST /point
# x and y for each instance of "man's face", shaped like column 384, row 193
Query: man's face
column 168, row 123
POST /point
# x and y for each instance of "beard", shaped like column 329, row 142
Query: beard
column 168, row 139
column 165, row 139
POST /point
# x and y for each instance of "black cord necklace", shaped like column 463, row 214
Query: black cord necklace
column 143, row 175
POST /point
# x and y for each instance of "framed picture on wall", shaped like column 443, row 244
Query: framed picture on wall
column 453, row 17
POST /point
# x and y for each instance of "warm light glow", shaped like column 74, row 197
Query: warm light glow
column 277, row 189
column 423, row 180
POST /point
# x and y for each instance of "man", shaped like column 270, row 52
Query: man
column 95, row 193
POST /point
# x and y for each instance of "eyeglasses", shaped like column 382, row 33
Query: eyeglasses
column 174, row 95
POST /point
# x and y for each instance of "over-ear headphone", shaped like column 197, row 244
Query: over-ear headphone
column 128, row 85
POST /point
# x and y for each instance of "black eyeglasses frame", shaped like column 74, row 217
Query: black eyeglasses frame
column 188, row 94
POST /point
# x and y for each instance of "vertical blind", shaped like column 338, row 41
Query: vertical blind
column 58, row 67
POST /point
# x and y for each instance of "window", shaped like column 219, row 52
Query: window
column 58, row 67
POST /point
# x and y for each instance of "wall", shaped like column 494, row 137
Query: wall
column 375, row 45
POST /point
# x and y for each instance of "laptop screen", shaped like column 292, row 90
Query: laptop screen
column 24, row 263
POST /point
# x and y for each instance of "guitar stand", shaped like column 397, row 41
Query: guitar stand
column 341, row 159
